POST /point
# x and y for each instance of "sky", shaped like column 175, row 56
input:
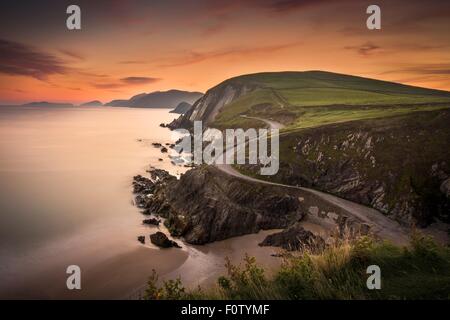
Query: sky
column 129, row 47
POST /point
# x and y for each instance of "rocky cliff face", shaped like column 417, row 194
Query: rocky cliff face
column 206, row 108
column 400, row 165
column 181, row 108
column 206, row 205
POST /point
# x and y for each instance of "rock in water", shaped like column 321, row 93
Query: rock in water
column 153, row 221
column 160, row 239
column 160, row 174
column 141, row 239
column 295, row 238
column 142, row 185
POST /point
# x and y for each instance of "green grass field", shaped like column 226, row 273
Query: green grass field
column 306, row 99
column 314, row 117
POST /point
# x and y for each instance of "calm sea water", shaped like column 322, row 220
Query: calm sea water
column 65, row 176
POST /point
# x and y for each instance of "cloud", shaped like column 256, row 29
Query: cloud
column 442, row 69
column 108, row 85
column 73, row 54
column 125, row 82
column 23, row 60
column 215, row 28
column 365, row 49
column 139, row 80
column 276, row 6
column 193, row 57
column 132, row 62
column 290, row 5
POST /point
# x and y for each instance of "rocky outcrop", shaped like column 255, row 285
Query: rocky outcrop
column 206, row 205
column 295, row 238
column 182, row 108
column 160, row 239
column 142, row 185
column 207, row 107
column 152, row 221
column 141, row 239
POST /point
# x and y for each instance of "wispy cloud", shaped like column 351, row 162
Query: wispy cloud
column 132, row 62
column 193, row 57
column 290, row 5
column 424, row 69
column 277, row 6
column 365, row 49
column 139, row 80
column 125, row 82
column 73, row 54
column 23, row 60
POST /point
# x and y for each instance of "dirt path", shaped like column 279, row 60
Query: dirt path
column 272, row 124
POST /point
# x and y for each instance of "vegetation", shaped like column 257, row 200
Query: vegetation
column 307, row 99
column 419, row 271
column 315, row 117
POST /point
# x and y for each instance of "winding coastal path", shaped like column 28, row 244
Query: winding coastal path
column 381, row 225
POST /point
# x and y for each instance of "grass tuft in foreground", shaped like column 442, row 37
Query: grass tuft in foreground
column 418, row 271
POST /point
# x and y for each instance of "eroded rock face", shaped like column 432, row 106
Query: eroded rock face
column 206, row 108
column 160, row 239
column 207, row 205
column 295, row 238
column 142, row 185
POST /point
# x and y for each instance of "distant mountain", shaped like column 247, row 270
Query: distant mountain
column 158, row 99
column 117, row 103
column 47, row 104
column 182, row 108
column 94, row 103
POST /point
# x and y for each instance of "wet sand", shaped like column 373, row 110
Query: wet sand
column 207, row 262
column 114, row 278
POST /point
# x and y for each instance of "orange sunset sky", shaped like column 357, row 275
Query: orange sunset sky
column 130, row 47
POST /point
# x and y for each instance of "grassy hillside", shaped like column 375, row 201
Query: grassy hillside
column 293, row 98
